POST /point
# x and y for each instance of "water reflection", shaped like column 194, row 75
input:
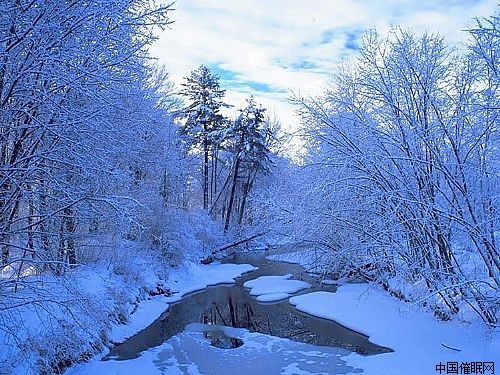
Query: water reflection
column 232, row 305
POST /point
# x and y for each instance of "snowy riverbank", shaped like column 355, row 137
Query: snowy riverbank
column 419, row 340
column 120, row 304
column 98, row 305
column 183, row 280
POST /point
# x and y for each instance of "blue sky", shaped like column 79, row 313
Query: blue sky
column 270, row 48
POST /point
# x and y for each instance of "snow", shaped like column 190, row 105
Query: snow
column 94, row 295
column 274, row 288
column 190, row 278
column 313, row 260
column 190, row 352
column 328, row 282
column 145, row 314
column 272, row 297
column 196, row 277
column 306, row 258
column 415, row 335
column 98, row 295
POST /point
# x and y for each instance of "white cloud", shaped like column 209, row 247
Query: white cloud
column 267, row 42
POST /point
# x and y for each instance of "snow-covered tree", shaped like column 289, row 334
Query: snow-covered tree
column 74, row 97
column 246, row 139
column 404, row 146
column 202, row 128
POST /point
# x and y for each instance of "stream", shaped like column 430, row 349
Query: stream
column 226, row 317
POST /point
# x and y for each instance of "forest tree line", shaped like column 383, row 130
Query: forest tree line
column 401, row 179
column 96, row 143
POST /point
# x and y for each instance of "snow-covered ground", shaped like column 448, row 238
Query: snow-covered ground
column 310, row 259
column 87, row 305
column 419, row 340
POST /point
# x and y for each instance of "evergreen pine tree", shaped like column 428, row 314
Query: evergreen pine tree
column 203, row 118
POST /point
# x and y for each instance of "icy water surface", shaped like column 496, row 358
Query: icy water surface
column 231, row 305
column 226, row 319
column 189, row 353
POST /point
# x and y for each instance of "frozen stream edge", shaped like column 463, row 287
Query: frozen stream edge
column 190, row 352
column 415, row 335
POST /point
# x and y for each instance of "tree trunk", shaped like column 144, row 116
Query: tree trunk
column 69, row 217
column 205, row 173
column 231, row 197
column 246, row 190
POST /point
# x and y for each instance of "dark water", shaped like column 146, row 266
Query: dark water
column 232, row 305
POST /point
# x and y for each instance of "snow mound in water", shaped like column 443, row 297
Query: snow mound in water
column 273, row 297
column 274, row 288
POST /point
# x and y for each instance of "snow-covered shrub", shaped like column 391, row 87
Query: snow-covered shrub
column 190, row 236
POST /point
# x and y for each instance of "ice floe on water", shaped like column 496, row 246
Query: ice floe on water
column 273, row 297
column 274, row 288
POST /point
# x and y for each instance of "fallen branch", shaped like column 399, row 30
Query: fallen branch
column 209, row 259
